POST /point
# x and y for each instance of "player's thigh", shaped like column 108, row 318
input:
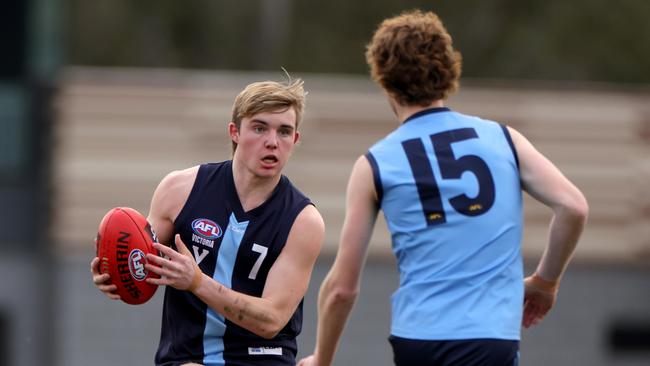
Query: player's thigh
column 470, row 352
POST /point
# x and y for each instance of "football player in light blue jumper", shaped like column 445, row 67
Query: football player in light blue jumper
column 450, row 187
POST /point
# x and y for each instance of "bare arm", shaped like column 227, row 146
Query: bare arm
column 341, row 285
column 167, row 201
column 544, row 182
column 285, row 286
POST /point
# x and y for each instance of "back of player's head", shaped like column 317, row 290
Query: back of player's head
column 269, row 96
column 411, row 56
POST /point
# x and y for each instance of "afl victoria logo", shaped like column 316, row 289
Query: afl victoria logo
column 207, row 229
column 137, row 261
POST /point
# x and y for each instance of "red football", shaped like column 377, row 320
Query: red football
column 123, row 240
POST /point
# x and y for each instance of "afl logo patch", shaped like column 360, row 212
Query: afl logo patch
column 137, row 261
column 207, row 229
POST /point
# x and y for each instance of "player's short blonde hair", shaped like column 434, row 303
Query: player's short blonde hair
column 412, row 58
column 265, row 96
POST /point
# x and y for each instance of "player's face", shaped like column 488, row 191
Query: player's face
column 265, row 141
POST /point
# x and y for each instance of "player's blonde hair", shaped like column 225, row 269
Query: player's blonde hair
column 412, row 58
column 265, row 96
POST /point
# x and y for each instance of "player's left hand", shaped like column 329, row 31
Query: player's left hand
column 176, row 269
column 539, row 298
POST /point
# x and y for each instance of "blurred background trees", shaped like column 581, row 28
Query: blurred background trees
column 579, row 40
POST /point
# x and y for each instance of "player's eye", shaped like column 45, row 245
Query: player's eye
column 285, row 132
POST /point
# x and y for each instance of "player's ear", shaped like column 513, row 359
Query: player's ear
column 233, row 131
column 296, row 137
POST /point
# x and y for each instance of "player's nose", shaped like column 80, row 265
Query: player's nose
column 271, row 141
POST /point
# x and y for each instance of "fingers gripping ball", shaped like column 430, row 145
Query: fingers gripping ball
column 123, row 241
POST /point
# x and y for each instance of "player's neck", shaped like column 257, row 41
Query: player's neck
column 252, row 190
column 405, row 111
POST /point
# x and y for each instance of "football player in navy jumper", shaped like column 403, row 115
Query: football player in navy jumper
column 240, row 242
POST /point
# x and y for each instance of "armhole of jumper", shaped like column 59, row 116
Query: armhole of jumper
column 191, row 198
column 376, row 176
column 512, row 145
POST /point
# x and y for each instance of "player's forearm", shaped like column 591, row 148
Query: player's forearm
column 255, row 314
column 566, row 227
column 334, row 306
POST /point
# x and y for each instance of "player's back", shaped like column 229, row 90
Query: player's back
column 449, row 188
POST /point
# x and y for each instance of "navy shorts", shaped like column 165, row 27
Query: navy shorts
column 465, row 352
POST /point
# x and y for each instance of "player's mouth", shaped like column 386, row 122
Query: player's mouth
column 270, row 160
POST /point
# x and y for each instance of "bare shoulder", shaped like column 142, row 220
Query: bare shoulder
column 175, row 187
column 526, row 152
column 170, row 196
column 361, row 184
column 542, row 179
column 310, row 219
column 517, row 138
column 362, row 168
column 179, row 181
column 307, row 233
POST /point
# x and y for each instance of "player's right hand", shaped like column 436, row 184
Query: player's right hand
column 102, row 281
column 308, row 361
column 539, row 298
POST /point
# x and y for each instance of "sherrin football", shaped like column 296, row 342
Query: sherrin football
column 123, row 240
